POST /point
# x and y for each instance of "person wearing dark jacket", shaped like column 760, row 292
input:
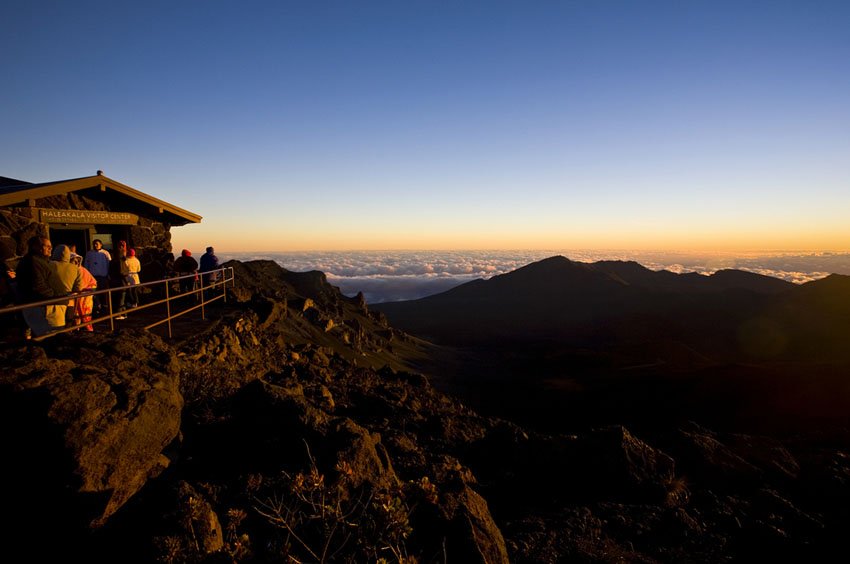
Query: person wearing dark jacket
column 118, row 271
column 209, row 263
column 183, row 266
column 37, row 281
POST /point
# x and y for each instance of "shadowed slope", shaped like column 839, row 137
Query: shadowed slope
column 557, row 298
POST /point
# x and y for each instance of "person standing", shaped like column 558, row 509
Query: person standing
column 184, row 266
column 69, row 281
column 118, row 278
column 36, row 281
column 97, row 262
column 209, row 263
column 134, row 267
column 84, row 304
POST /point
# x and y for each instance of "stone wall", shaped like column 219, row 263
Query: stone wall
column 152, row 241
column 16, row 228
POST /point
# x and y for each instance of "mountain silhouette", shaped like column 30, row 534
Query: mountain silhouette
column 586, row 303
column 811, row 322
column 560, row 343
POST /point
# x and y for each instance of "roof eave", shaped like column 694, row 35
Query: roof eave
column 62, row 187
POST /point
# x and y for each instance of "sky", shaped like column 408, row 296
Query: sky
column 363, row 125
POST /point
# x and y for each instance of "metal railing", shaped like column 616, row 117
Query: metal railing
column 204, row 293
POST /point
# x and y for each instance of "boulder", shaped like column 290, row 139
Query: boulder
column 471, row 533
column 361, row 453
column 99, row 413
column 194, row 520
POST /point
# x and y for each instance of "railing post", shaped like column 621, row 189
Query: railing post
column 203, row 299
column 224, row 284
column 111, row 319
column 168, row 307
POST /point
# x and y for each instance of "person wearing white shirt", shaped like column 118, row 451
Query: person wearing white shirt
column 132, row 279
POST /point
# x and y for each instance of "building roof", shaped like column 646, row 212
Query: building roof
column 11, row 182
column 96, row 186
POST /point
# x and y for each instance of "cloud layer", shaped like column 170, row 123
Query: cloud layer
column 407, row 275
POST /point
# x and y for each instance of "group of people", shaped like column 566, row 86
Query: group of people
column 46, row 273
column 120, row 271
column 38, row 278
column 186, row 265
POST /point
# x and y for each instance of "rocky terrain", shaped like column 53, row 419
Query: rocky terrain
column 299, row 427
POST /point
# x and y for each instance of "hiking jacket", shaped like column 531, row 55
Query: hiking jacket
column 68, row 276
column 35, row 279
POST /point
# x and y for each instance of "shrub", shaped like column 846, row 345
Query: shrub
column 323, row 520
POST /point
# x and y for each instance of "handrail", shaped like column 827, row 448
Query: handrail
column 225, row 275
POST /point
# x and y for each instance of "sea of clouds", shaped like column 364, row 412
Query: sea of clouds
column 385, row 276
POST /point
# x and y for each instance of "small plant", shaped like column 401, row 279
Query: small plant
column 677, row 492
column 236, row 545
column 326, row 520
column 169, row 550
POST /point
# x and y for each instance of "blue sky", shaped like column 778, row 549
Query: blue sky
column 446, row 125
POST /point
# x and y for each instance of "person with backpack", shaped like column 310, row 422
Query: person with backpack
column 184, row 266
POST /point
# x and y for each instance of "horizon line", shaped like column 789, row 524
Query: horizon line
column 556, row 251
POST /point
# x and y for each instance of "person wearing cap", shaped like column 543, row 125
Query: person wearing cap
column 209, row 264
column 132, row 278
column 184, row 266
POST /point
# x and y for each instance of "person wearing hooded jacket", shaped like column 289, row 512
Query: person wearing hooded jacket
column 84, row 304
column 68, row 280
column 68, row 273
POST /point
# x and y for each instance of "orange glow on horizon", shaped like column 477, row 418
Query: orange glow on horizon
column 224, row 240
